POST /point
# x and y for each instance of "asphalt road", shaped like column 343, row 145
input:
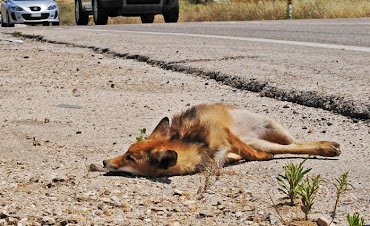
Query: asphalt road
column 319, row 63
column 341, row 31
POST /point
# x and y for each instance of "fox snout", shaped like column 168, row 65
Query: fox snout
column 107, row 164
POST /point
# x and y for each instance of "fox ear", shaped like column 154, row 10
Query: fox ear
column 162, row 129
column 164, row 159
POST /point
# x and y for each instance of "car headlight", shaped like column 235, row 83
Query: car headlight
column 51, row 7
column 16, row 8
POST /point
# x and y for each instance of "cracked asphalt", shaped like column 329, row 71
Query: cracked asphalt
column 330, row 78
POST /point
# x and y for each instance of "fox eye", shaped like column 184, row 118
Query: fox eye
column 129, row 158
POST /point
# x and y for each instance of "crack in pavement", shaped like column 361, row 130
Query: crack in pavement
column 210, row 60
column 336, row 104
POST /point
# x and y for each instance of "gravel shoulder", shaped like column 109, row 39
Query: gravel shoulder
column 63, row 108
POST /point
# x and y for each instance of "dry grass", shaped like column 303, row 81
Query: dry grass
column 67, row 12
column 241, row 10
column 314, row 9
column 233, row 11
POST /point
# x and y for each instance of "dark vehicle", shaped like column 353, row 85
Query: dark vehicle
column 146, row 9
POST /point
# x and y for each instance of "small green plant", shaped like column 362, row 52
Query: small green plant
column 308, row 190
column 341, row 186
column 292, row 177
column 143, row 136
column 355, row 220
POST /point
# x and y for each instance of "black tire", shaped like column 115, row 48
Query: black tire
column 55, row 23
column 100, row 16
column 147, row 19
column 8, row 24
column 81, row 17
column 46, row 24
column 172, row 15
column 3, row 24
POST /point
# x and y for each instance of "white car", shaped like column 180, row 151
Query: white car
column 29, row 12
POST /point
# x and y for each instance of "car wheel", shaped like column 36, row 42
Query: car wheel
column 147, row 19
column 3, row 24
column 8, row 22
column 100, row 16
column 172, row 15
column 55, row 23
column 46, row 24
column 81, row 17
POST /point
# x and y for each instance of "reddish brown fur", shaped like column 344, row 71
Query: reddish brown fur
column 211, row 134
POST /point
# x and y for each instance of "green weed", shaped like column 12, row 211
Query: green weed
column 355, row 220
column 290, row 180
column 341, row 187
column 308, row 190
column 143, row 136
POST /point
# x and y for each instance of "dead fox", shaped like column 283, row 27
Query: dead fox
column 211, row 134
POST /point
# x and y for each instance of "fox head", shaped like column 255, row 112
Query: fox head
column 150, row 157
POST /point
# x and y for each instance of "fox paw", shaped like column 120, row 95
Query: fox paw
column 329, row 149
column 267, row 156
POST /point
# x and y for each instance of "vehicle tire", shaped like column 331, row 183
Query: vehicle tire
column 46, row 24
column 55, row 23
column 100, row 16
column 172, row 15
column 81, row 17
column 3, row 24
column 8, row 24
column 147, row 19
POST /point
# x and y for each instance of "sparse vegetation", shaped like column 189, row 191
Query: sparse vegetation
column 291, row 185
column 290, row 180
column 355, row 220
column 241, row 10
column 341, row 187
column 67, row 12
column 211, row 174
column 308, row 190
column 143, row 135
column 16, row 34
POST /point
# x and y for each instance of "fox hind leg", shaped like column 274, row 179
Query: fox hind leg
column 277, row 140
column 321, row 148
